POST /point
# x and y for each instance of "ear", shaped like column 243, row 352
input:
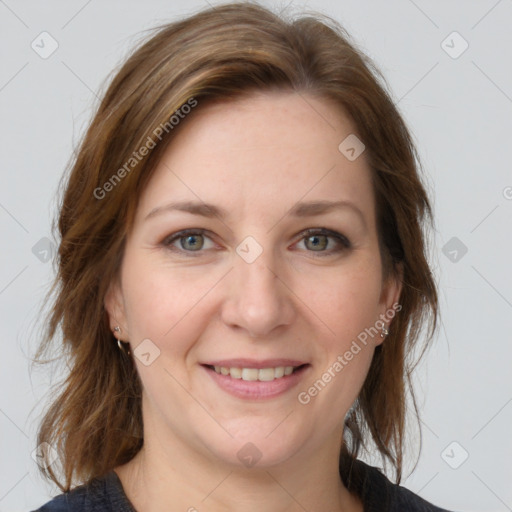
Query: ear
column 114, row 305
column 390, row 296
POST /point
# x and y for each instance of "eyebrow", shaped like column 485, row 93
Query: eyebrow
column 304, row 209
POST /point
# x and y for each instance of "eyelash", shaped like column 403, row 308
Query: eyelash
column 342, row 241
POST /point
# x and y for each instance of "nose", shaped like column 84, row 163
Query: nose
column 259, row 303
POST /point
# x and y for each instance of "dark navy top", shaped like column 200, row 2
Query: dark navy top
column 377, row 493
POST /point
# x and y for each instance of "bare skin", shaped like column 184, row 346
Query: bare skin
column 306, row 297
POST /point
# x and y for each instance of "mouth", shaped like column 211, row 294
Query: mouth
column 256, row 381
column 256, row 374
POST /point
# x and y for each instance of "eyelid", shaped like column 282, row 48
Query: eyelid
column 170, row 239
column 339, row 237
column 327, row 232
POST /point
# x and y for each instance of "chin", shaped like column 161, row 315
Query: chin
column 259, row 446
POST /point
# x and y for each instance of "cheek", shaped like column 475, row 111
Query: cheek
column 160, row 301
column 350, row 303
column 350, row 313
column 348, row 308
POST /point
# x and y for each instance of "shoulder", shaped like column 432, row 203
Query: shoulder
column 104, row 493
column 80, row 499
column 379, row 494
column 408, row 501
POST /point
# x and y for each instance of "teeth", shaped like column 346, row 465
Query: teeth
column 279, row 372
column 266, row 374
column 253, row 374
column 249, row 373
column 236, row 373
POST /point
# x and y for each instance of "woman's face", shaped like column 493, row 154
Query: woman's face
column 280, row 272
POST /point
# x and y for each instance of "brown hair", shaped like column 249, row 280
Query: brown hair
column 95, row 423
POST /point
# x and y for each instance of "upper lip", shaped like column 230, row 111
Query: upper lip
column 253, row 363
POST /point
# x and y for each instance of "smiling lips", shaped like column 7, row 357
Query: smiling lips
column 251, row 379
column 252, row 374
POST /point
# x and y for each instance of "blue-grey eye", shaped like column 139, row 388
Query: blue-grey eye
column 318, row 242
column 192, row 242
column 324, row 241
column 189, row 241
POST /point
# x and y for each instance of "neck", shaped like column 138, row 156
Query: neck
column 173, row 476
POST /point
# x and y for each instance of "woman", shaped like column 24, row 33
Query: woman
column 242, row 277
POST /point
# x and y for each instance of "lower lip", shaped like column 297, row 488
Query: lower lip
column 256, row 390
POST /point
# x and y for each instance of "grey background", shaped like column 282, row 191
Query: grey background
column 460, row 112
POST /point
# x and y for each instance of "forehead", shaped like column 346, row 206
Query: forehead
column 263, row 151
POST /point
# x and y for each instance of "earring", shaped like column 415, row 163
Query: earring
column 120, row 344
column 384, row 332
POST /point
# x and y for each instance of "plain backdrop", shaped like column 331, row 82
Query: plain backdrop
column 448, row 64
